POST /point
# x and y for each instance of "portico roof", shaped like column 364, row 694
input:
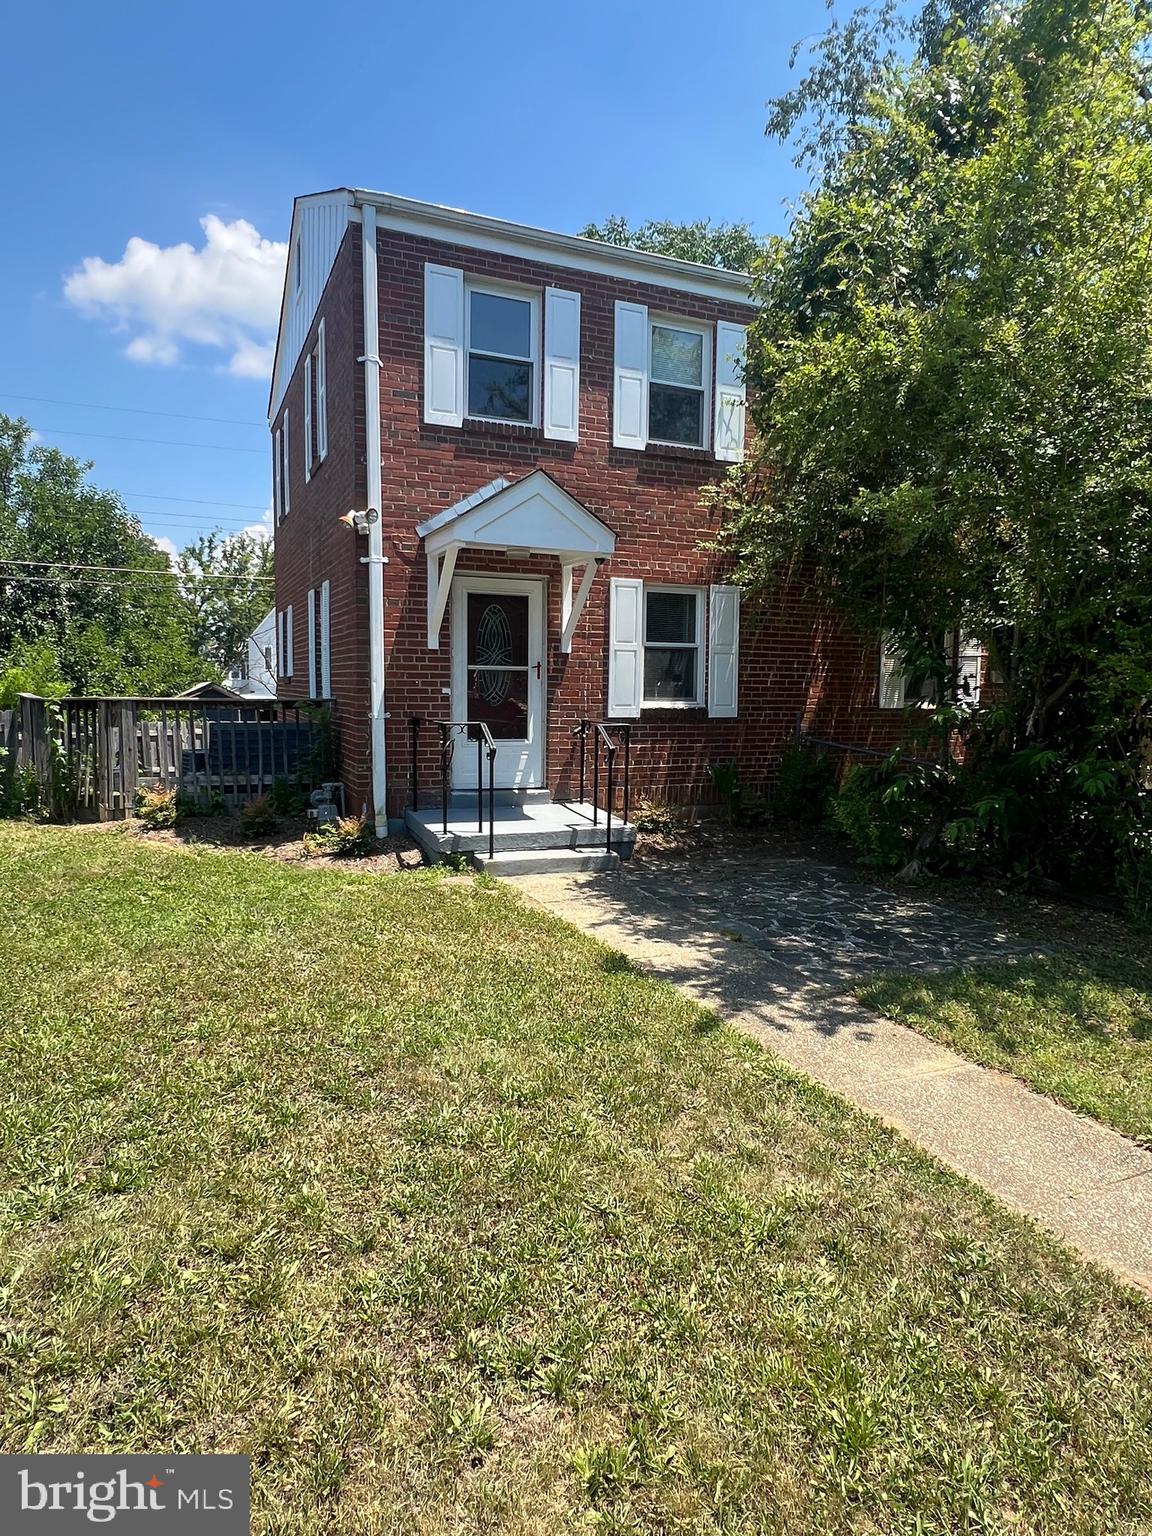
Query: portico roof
column 533, row 514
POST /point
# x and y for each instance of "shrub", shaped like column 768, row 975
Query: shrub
column 742, row 806
column 286, row 798
column 348, row 838
column 156, row 807
column 805, row 782
column 21, row 792
column 654, row 816
column 256, row 818
column 887, row 811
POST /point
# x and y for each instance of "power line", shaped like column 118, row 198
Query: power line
column 133, row 410
column 159, row 442
column 242, row 506
column 132, row 570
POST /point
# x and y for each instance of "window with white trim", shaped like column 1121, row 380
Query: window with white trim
column 673, row 647
column 678, row 365
column 502, row 354
column 905, row 687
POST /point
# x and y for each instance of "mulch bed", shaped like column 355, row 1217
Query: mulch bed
column 391, row 856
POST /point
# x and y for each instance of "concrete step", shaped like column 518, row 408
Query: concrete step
column 518, row 828
column 546, row 861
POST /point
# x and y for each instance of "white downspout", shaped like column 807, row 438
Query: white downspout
column 375, row 560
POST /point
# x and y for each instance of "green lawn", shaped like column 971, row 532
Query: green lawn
column 457, row 1224
column 1076, row 1028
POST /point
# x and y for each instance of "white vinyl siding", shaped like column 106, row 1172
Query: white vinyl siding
column 562, row 365
column 443, row 345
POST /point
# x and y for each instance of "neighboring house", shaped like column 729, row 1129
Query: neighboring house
column 253, row 674
column 216, row 693
column 533, row 417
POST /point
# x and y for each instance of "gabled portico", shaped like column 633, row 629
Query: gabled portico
column 532, row 516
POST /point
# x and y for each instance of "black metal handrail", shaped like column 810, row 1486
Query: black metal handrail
column 603, row 740
column 485, row 745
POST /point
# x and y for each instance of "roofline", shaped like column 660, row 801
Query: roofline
column 577, row 251
column 304, row 197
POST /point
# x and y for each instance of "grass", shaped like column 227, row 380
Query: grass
column 457, row 1224
column 1078, row 1028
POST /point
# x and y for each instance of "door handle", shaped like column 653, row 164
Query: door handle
column 537, row 671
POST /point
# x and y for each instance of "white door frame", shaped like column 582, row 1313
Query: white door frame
column 519, row 764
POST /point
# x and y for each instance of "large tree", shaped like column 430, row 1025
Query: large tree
column 950, row 373
column 227, row 580
column 713, row 245
column 81, row 582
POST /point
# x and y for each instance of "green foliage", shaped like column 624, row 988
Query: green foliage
column 21, row 793
column 128, row 633
column 257, row 818
column 727, row 783
column 949, row 391
column 883, row 821
column 349, row 837
column 805, row 781
column 156, row 807
column 733, row 246
column 286, row 798
column 32, row 667
column 225, row 611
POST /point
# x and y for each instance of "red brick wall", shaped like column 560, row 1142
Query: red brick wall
column 795, row 664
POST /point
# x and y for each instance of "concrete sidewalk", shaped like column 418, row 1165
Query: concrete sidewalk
column 1088, row 1184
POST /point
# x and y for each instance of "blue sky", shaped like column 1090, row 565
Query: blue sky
column 138, row 122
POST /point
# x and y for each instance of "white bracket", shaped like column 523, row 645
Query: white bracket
column 440, row 570
column 572, row 605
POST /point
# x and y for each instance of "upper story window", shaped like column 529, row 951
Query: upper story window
column 677, row 385
column 677, row 382
column 501, row 355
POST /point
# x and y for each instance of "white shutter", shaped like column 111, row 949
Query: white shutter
column 321, row 396
column 325, row 640
column 625, row 648
column 630, row 396
column 281, row 652
column 443, row 345
column 730, row 394
column 562, row 365
column 277, row 493
column 723, row 651
column 891, row 675
column 311, row 642
column 289, row 643
column 285, row 471
column 307, row 418
column 971, row 666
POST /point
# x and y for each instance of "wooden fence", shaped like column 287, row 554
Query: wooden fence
column 90, row 756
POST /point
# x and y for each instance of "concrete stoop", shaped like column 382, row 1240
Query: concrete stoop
column 534, row 836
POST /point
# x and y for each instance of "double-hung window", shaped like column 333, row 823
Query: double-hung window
column 673, row 646
column 677, row 384
column 502, row 355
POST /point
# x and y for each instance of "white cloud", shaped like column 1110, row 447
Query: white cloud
column 166, row 545
column 224, row 295
column 263, row 529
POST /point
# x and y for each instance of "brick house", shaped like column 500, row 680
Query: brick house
column 523, row 423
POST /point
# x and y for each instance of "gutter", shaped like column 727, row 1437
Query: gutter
column 377, row 715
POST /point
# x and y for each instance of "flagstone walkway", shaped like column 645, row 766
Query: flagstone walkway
column 774, row 944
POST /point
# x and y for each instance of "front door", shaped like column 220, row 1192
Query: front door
column 498, row 676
